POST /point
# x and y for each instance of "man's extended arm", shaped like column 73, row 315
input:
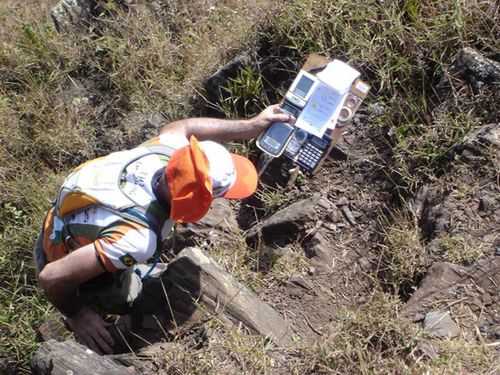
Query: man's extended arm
column 60, row 280
column 222, row 130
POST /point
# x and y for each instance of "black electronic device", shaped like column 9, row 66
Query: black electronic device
column 275, row 138
column 289, row 108
column 321, row 113
column 296, row 141
column 307, row 150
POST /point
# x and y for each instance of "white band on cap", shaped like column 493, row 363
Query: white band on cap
column 221, row 169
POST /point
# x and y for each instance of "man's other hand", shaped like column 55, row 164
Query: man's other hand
column 90, row 330
column 271, row 114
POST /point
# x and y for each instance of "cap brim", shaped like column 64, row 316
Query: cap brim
column 246, row 178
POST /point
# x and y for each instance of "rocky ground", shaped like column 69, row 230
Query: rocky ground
column 334, row 222
column 334, row 235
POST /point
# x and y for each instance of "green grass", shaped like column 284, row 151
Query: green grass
column 271, row 198
column 459, row 249
column 403, row 50
column 244, row 94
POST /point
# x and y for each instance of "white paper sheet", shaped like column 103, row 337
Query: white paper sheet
column 321, row 111
column 339, row 76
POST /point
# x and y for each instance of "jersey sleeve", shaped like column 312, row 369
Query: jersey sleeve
column 125, row 244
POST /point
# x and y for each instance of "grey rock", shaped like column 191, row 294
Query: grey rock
column 218, row 225
column 69, row 357
column 300, row 282
column 348, row 215
column 358, row 178
column 440, row 324
column 340, row 150
column 326, row 204
column 480, row 140
column 426, row 350
column 496, row 331
column 319, row 247
column 69, row 15
column 484, row 327
column 342, row 201
column 365, row 264
column 473, row 67
column 439, row 277
column 436, row 216
column 290, row 221
column 330, row 226
column 487, row 300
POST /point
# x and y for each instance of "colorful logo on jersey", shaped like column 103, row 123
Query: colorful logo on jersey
column 128, row 260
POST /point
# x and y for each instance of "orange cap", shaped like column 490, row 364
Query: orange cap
column 193, row 183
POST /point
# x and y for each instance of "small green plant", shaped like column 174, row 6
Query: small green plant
column 244, row 95
column 458, row 249
column 271, row 198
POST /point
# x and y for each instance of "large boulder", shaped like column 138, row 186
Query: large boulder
column 69, row 357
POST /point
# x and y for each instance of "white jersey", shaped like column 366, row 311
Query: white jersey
column 119, row 243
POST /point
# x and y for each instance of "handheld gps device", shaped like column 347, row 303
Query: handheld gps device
column 301, row 89
column 275, row 139
column 307, row 150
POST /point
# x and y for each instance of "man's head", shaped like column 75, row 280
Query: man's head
column 202, row 171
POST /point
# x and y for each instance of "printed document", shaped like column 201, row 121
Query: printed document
column 321, row 111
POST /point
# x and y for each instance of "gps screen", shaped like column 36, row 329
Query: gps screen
column 303, row 86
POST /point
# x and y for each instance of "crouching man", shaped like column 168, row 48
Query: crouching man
column 112, row 214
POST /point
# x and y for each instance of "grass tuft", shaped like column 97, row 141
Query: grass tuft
column 403, row 257
column 459, row 249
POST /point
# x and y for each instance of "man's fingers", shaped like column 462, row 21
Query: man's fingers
column 276, row 108
column 94, row 345
column 106, row 341
column 99, row 340
column 283, row 117
column 97, row 344
column 106, row 348
column 89, row 342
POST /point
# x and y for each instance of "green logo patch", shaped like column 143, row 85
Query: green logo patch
column 128, row 260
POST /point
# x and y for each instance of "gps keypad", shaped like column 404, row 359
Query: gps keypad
column 310, row 156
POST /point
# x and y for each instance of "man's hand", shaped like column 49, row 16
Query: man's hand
column 269, row 115
column 90, row 330
column 60, row 279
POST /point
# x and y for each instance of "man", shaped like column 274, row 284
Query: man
column 79, row 249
